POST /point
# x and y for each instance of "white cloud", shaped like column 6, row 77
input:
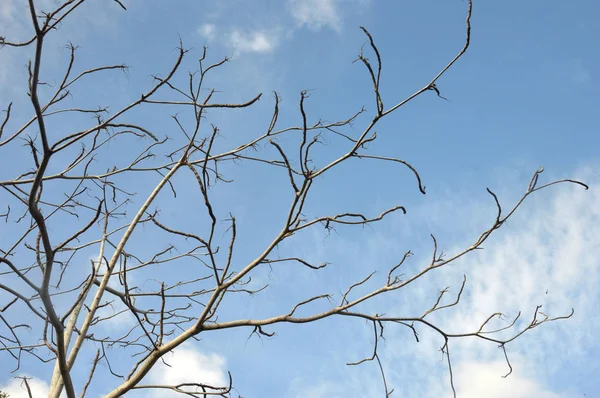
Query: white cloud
column 547, row 254
column 551, row 245
column 188, row 365
column 479, row 379
column 306, row 14
column 243, row 41
column 316, row 14
column 208, row 30
column 16, row 388
column 254, row 41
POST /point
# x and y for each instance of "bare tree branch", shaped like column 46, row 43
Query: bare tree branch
column 74, row 194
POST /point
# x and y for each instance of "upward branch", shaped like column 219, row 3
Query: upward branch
column 97, row 182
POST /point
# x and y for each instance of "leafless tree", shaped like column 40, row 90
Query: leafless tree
column 71, row 181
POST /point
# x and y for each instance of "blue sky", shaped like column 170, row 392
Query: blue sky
column 523, row 96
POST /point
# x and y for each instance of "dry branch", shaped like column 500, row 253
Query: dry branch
column 101, row 213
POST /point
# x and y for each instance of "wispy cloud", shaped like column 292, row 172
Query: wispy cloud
column 263, row 38
column 260, row 41
column 316, row 14
column 547, row 254
column 208, row 30
column 256, row 41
